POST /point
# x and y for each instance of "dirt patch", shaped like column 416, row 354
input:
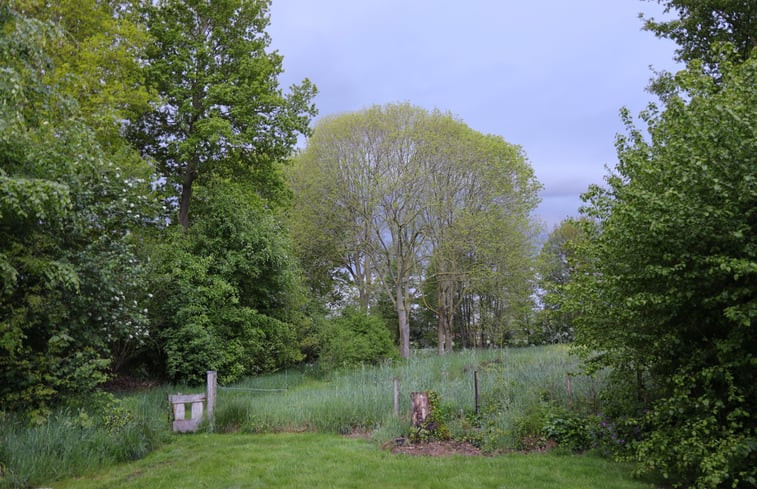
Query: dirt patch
column 364, row 434
column 435, row 448
column 537, row 445
column 126, row 384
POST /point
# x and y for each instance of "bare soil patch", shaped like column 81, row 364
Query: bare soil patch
column 125, row 384
column 436, row 448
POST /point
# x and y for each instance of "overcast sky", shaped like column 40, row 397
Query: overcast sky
column 548, row 75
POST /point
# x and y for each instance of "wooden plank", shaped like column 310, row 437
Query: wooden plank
column 197, row 410
column 186, row 425
column 186, row 398
column 178, row 411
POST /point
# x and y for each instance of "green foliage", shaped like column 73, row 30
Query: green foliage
column 72, row 286
column 556, row 265
column 353, row 338
column 667, row 291
column 97, row 60
column 221, row 111
column 569, row 429
column 226, row 293
column 701, row 24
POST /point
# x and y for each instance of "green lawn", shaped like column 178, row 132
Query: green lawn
column 330, row 461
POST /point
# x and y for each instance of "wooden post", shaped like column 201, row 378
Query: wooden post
column 421, row 408
column 396, row 397
column 475, row 388
column 569, row 388
column 211, row 397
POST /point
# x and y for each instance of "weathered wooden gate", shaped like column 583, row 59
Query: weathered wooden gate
column 182, row 424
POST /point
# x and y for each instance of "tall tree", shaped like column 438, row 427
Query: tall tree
column 668, row 291
column 396, row 195
column 221, row 110
column 72, row 286
column 480, row 194
column 701, row 23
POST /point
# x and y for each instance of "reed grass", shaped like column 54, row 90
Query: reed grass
column 512, row 382
column 78, row 440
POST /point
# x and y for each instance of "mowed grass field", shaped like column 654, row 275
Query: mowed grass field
column 311, row 460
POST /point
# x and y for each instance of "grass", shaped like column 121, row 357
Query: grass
column 514, row 384
column 77, row 440
column 328, row 461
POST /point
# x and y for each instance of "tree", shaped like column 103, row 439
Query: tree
column 480, row 194
column 557, row 263
column 226, row 293
column 667, row 292
column 97, row 61
column 702, row 23
column 395, row 195
column 335, row 204
column 72, row 286
column 221, row 112
column 362, row 174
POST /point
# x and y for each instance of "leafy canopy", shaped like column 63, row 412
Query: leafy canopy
column 668, row 287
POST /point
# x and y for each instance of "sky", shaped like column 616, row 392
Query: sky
column 548, row 75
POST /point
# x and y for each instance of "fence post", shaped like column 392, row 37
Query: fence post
column 396, row 397
column 475, row 388
column 211, row 397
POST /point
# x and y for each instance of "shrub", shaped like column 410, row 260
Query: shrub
column 355, row 337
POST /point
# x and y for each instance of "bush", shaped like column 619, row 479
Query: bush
column 355, row 337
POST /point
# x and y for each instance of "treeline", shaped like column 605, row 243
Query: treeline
column 142, row 191
column 157, row 221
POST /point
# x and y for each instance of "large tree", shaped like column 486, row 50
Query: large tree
column 221, row 110
column 71, row 284
column 699, row 24
column 667, row 293
column 479, row 196
column 391, row 196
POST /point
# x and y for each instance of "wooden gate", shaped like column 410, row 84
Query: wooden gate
column 182, row 424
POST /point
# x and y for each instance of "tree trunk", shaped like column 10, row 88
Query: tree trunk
column 404, row 324
column 441, row 323
column 186, row 195
column 421, row 408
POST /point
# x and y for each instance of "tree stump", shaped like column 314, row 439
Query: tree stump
column 421, row 408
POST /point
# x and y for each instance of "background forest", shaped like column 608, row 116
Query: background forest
column 158, row 220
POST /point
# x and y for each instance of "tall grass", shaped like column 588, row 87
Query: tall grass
column 512, row 383
column 77, row 440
